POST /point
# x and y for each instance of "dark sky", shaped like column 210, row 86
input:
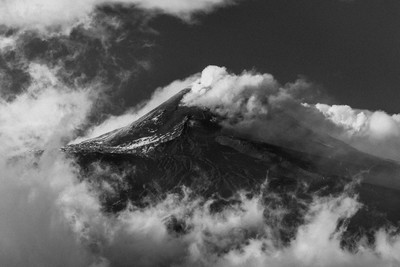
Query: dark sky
column 351, row 48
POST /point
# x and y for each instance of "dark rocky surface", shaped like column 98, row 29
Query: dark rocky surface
column 176, row 146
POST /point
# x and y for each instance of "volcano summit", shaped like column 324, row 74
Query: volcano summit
column 177, row 146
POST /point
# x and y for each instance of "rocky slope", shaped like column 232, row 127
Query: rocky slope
column 176, row 146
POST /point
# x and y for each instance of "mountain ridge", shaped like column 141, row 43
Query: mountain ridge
column 175, row 146
column 168, row 121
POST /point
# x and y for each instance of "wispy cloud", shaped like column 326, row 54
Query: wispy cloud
column 42, row 14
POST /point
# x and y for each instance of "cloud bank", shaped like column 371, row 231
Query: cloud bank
column 42, row 14
column 374, row 132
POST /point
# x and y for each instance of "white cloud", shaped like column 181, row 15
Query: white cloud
column 180, row 8
column 248, row 94
column 383, row 125
column 29, row 121
column 374, row 132
column 7, row 43
column 41, row 14
column 250, row 101
column 33, row 230
column 317, row 242
column 354, row 121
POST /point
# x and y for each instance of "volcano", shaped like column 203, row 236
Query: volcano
column 176, row 146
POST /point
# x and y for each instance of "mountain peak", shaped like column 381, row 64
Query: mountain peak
column 160, row 125
column 175, row 145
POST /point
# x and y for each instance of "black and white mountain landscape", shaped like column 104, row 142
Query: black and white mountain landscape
column 199, row 133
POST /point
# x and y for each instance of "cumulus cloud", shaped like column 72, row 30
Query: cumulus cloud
column 345, row 116
column 259, row 105
column 376, row 125
column 41, row 14
column 248, row 95
column 230, row 95
column 374, row 132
